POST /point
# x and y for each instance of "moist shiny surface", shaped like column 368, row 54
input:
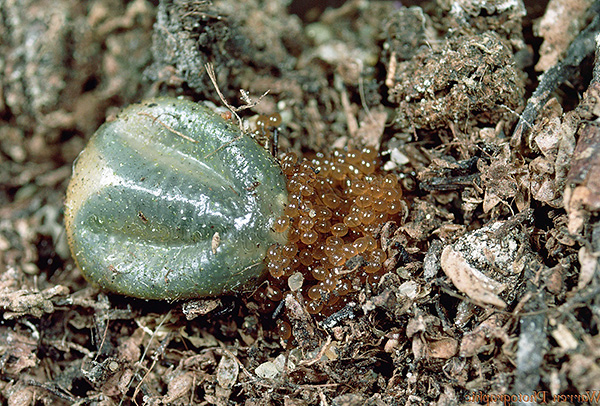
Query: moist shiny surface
column 336, row 206
column 170, row 201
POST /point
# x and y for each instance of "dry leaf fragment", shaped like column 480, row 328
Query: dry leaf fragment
column 227, row 372
column 18, row 352
column 474, row 342
column 199, row 307
column 561, row 23
column 179, row 387
column 590, row 263
column 23, row 396
column 564, row 337
column 267, row 370
column 371, row 127
column 582, row 196
column 23, row 302
column 485, row 264
column 471, row 281
column 445, row 348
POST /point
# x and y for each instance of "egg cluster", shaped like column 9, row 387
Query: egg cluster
column 336, row 205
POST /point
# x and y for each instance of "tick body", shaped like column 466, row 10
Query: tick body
column 152, row 189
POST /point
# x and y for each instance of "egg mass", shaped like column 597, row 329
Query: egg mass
column 338, row 204
column 171, row 201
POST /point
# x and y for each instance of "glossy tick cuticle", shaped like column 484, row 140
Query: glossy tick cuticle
column 170, row 201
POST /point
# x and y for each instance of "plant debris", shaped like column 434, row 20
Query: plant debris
column 486, row 112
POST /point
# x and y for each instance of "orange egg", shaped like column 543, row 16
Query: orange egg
column 337, row 204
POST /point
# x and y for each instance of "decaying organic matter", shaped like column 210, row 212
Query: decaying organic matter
column 484, row 112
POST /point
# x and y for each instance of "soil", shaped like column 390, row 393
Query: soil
column 487, row 111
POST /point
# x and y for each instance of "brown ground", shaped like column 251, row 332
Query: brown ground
column 500, row 292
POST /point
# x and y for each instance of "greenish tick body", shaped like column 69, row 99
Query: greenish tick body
column 170, row 201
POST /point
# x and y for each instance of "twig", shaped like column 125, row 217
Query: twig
column 320, row 355
column 596, row 70
column 213, row 78
column 155, row 359
column 53, row 388
column 249, row 103
column 165, row 318
column 581, row 47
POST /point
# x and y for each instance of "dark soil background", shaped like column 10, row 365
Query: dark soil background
column 486, row 110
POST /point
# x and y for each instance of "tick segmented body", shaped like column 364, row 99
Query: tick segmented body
column 171, row 201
